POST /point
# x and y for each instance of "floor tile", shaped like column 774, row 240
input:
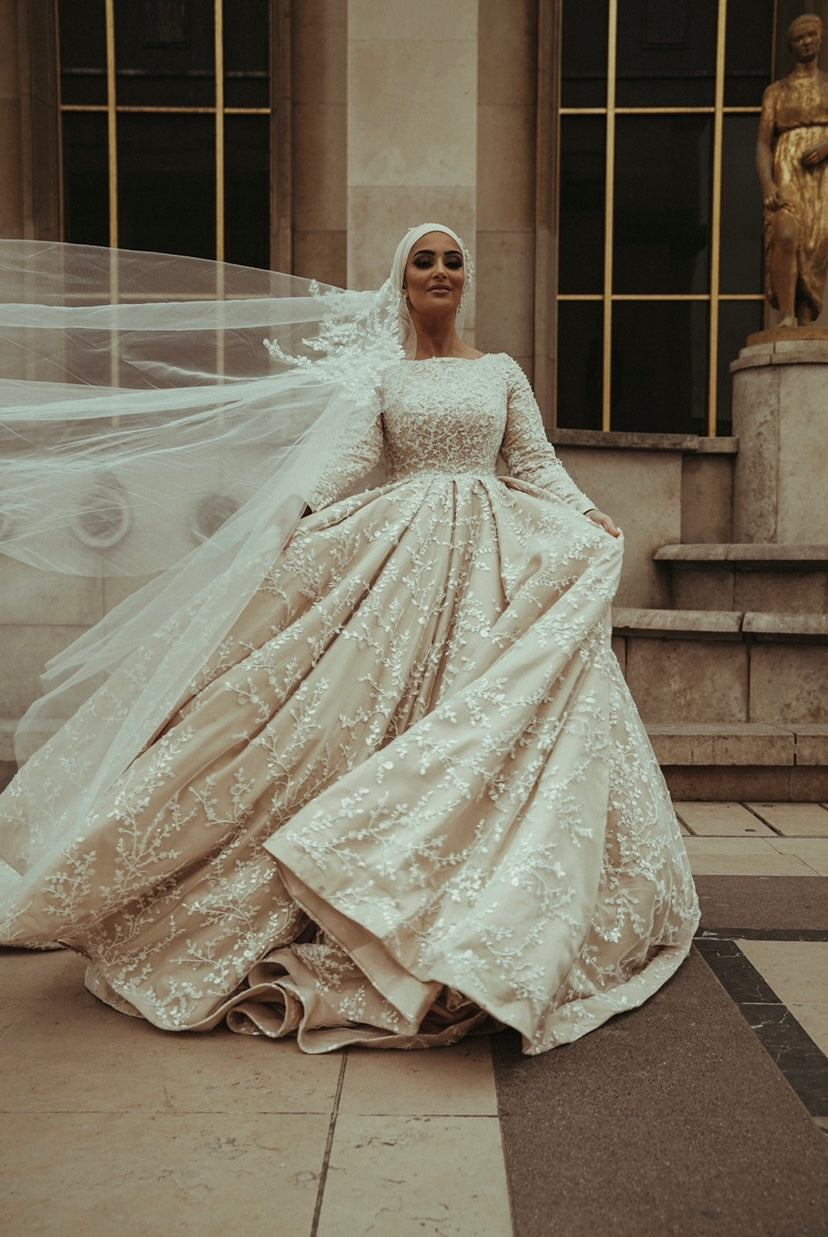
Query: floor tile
column 413, row 1176
column 794, row 819
column 45, row 1059
column 743, row 857
column 31, row 972
column 149, row 1174
column 795, row 1054
column 745, row 984
column 813, row 851
column 12, row 1010
column 814, row 1020
column 796, row 970
column 720, row 820
column 445, row 1081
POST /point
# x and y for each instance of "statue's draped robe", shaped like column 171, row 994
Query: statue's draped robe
column 798, row 110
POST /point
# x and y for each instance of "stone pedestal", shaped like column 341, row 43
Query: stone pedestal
column 780, row 415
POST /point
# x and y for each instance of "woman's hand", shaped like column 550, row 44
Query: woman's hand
column 816, row 155
column 776, row 198
column 603, row 521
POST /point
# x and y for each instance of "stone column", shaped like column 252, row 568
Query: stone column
column 29, row 188
column 780, row 414
column 11, row 147
column 412, row 126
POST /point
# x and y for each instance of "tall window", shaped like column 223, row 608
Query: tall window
column 165, row 110
column 660, row 237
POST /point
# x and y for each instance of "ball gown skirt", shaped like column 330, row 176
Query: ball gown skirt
column 410, row 796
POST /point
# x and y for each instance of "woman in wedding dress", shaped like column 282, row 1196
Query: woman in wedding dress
column 407, row 796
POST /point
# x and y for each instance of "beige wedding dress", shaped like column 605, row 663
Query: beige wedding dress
column 410, row 796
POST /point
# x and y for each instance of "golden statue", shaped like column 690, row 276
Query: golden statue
column 792, row 162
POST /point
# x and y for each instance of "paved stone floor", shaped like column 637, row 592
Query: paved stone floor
column 704, row 1112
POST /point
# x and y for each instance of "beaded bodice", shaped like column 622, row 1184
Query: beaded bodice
column 447, row 414
column 453, row 416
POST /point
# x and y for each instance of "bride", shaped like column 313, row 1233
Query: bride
column 397, row 790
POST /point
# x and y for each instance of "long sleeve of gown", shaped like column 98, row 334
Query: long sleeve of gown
column 361, row 444
column 527, row 452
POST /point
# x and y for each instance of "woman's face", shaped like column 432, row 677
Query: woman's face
column 434, row 274
column 805, row 38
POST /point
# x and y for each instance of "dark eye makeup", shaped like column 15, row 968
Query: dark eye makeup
column 426, row 258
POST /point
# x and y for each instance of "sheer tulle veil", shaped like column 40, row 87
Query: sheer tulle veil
column 166, row 418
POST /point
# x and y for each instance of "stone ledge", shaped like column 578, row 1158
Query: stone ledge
column 772, row 348
column 812, row 744
column 783, row 626
column 749, row 554
column 621, row 440
column 743, row 743
column 677, row 624
column 726, row 444
column 770, row 784
column 718, row 625
column 710, row 744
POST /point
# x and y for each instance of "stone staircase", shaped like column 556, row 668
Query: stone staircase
column 733, row 681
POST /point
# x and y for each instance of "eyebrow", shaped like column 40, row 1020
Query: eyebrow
column 431, row 252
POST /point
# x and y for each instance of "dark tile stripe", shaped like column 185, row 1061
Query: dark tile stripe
column 670, row 1119
column 774, row 903
column 802, row 1062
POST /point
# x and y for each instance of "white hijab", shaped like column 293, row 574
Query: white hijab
column 398, row 277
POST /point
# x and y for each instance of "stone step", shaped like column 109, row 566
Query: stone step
column 724, row 667
column 714, row 761
column 747, row 576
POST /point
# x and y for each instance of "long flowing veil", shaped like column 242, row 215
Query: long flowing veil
column 147, row 431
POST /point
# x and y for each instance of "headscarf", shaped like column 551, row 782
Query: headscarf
column 397, row 277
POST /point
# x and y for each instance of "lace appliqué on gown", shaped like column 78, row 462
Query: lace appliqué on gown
column 410, row 796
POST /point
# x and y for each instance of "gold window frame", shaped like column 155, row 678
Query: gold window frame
column 547, row 295
column 279, row 39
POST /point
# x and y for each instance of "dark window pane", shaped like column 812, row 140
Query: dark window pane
column 82, row 34
column 247, row 163
column 662, row 204
column 749, row 49
column 166, row 170
column 165, row 53
column 581, row 219
column 737, row 320
column 659, row 367
column 580, row 364
column 584, row 55
column 246, row 53
column 741, row 253
column 666, row 53
column 85, row 178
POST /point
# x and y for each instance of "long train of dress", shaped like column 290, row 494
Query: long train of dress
column 410, row 796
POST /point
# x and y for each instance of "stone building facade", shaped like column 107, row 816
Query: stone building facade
column 522, row 124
